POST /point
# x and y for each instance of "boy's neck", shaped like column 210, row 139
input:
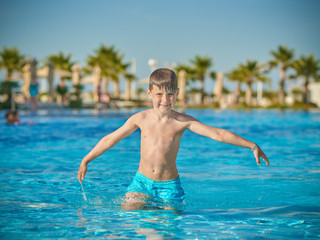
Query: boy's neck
column 163, row 116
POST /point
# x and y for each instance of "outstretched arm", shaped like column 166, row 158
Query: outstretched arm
column 105, row 144
column 226, row 136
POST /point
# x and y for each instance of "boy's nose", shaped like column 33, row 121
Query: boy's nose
column 165, row 97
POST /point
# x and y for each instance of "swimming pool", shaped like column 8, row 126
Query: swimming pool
column 227, row 194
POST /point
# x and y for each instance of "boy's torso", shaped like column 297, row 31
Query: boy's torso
column 160, row 141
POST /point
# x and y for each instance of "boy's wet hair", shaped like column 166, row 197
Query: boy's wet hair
column 164, row 78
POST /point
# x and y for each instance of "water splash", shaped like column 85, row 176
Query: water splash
column 83, row 193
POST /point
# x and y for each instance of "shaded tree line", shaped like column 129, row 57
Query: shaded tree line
column 113, row 67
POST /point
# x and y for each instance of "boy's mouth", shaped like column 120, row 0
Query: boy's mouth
column 164, row 105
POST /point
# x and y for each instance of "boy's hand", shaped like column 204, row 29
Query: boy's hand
column 82, row 172
column 258, row 153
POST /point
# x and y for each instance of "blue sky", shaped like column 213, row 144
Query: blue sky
column 229, row 31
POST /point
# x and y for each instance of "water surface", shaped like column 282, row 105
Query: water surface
column 227, row 194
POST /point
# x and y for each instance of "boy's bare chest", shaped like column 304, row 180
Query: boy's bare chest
column 164, row 132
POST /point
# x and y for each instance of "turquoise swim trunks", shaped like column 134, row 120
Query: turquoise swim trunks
column 163, row 193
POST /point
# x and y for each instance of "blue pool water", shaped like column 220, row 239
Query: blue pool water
column 228, row 195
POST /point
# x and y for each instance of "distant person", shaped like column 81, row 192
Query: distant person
column 10, row 117
column 105, row 98
column 34, row 91
column 62, row 90
column 13, row 118
column 157, row 179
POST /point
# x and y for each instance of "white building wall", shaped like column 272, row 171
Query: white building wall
column 314, row 89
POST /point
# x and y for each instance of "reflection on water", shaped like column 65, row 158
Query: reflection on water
column 198, row 224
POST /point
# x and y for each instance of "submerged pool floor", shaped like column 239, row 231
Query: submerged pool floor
column 227, row 194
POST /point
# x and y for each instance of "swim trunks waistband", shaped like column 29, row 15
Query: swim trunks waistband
column 175, row 180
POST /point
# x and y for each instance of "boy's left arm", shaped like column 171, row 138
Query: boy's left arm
column 225, row 136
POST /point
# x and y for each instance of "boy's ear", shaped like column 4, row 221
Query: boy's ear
column 177, row 91
column 149, row 92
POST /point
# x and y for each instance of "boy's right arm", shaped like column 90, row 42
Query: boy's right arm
column 106, row 143
column 225, row 136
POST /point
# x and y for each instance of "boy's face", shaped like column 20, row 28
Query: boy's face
column 10, row 118
column 162, row 100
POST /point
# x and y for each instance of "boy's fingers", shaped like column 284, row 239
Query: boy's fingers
column 264, row 157
column 80, row 177
column 266, row 160
column 258, row 160
column 256, row 155
column 81, row 173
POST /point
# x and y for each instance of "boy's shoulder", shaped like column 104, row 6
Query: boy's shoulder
column 139, row 116
column 184, row 117
column 142, row 114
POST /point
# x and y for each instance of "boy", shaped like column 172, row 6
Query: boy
column 12, row 118
column 161, row 128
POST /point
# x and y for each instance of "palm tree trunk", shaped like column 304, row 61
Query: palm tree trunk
column 105, row 85
column 97, row 91
column 249, row 93
column 282, row 85
column 7, row 93
column 8, row 77
column 238, row 93
column 26, row 81
column 202, row 90
column 116, row 89
column 182, row 85
column 51, row 91
column 305, row 91
column 128, row 91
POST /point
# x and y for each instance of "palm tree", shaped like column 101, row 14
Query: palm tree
column 107, row 61
column 308, row 68
column 111, row 64
column 11, row 60
column 120, row 68
column 237, row 76
column 61, row 62
column 129, row 77
column 189, row 74
column 213, row 75
column 201, row 67
column 93, row 62
column 251, row 72
column 282, row 58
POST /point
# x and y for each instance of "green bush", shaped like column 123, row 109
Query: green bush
column 75, row 104
column 5, row 89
